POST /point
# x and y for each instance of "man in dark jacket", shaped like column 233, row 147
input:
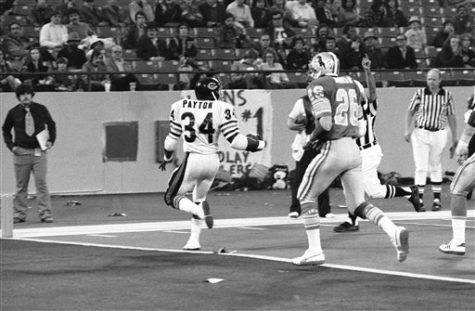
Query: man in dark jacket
column 401, row 56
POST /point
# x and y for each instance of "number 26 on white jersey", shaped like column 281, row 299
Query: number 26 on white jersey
column 348, row 108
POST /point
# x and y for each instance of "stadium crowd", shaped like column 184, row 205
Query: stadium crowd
column 101, row 45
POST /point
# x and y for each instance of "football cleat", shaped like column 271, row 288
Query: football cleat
column 346, row 227
column 414, row 199
column 402, row 243
column 309, row 258
column 192, row 245
column 451, row 248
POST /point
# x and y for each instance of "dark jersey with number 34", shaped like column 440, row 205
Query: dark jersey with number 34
column 200, row 122
column 340, row 98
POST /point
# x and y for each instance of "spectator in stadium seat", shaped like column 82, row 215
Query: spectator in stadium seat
column 377, row 16
column 395, row 14
column 241, row 12
column 330, row 45
column 41, row 13
column 168, row 13
column 303, row 14
column 144, row 6
column 463, row 21
column 450, row 55
column 231, row 36
column 274, row 80
column 261, row 14
column 343, row 42
column 352, row 58
column 113, row 15
column 34, row 64
column 350, row 14
column 14, row 43
column 53, row 37
column 323, row 13
column 245, row 79
column 401, row 56
column 213, row 13
column 135, row 30
column 323, row 31
column 95, row 82
column 263, row 45
column 416, row 34
column 8, row 83
column 116, row 64
column 468, row 54
column 299, row 56
column 337, row 12
column 90, row 13
column 150, row 47
column 442, row 35
column 190, row 14
column 183, row 42
column 280, row 31
column 64, row 80
column 75, row 25
column 370, row 42
column 63, row 9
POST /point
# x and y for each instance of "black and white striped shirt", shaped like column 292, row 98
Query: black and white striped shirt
column 431, row 110
column 369, row 113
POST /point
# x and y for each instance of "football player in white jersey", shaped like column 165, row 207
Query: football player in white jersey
column 200, row 122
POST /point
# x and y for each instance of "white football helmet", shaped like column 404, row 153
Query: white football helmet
column 324, row 63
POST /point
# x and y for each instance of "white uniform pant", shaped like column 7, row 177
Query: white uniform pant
column 371, row 158
column 427, row 147
column 464, row 179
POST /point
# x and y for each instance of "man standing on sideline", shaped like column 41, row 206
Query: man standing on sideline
column 28, row 119
column 200, row 122
column 462, row 184
column 371, row 155
column 338, row 121
column 301, row 119
column 432, row 109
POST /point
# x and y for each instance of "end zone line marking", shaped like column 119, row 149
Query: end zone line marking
column 264, row 257
column 103, row 235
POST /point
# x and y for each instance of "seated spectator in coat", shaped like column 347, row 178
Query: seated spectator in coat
column 416, row 34
column 95, row 44
column 303, row 14
column 90, row 13
column 14, row 43
column 183, row 42
column 370, row 42
column 135, row 30
column 150, row 47
column 401, row 56
column 75, row 25
column 463, row 21
column 450, row 55
column 190, row 14
column 274, row 80
column 41, row 13
column 319, row 44
column 116, row 64
column 395, row 15
column 299, row 56
column 53, row 37
column 248, row 77
column 213, row 13
column 231, row 36
column 64, row 80
column 63, row 9
column 280, row 32
column 113, row 15
column 468, row 54
column 350, row 13
column 261, row 14
column 8, row 82
column 241, row 13
column 330, row 45
column 168, row 13
column 95, row 81
column 348, row 34
column 324, row 14
column 377, row 16
column 442, row 35
column 144, row 6
column 34, row 64
column 351, row 59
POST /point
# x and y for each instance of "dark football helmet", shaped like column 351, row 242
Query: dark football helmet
column 208, row 89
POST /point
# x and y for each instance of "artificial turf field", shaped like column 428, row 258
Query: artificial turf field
column 89, row 260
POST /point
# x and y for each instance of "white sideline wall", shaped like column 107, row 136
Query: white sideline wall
column 76, row 161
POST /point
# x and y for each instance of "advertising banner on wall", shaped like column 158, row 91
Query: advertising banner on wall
column 254, row 112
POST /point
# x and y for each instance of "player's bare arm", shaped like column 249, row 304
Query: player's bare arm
column 407, row 130
column 371, row 82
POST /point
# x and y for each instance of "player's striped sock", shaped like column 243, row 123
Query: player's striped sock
column 376, row 216
column 421, row 192
column 311, row 223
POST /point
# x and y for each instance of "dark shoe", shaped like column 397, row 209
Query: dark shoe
column 422, row 209
column 414, row 198
column 208, row 217
column 17, row 220
column 346, row 227
column 47, row 219
column 436, row 205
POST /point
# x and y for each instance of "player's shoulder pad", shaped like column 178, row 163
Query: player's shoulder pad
column 325, row 81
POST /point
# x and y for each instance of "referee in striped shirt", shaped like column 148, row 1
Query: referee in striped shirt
column 431, row 111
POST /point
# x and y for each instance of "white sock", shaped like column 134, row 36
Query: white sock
column 187, row 205
column 458, row 231
column 376, row 216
